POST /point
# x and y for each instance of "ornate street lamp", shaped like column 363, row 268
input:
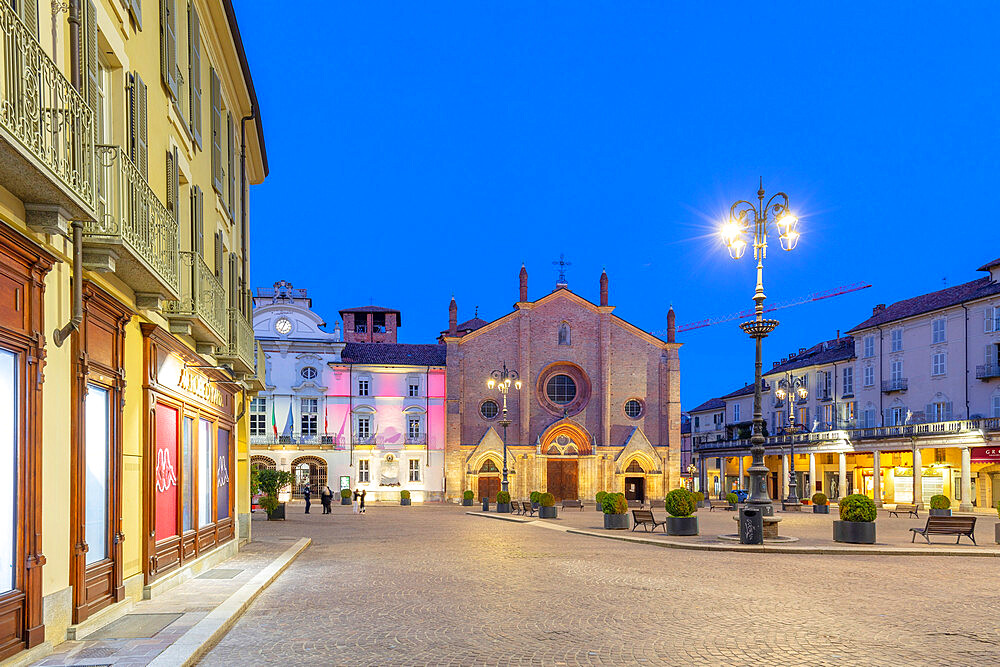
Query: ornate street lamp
column 791, row 387
column 692, row 470
column 502, row 380
column 747, row 220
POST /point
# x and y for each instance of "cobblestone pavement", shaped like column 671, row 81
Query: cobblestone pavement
column 432, row 585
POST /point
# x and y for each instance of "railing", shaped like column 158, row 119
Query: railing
column 322, row 440
column 987, row 371
column 415, row 440
column 130, row 213
column 240, row 344
column 898, row 384
column 42, row 110
column 825, row 396
column 201, row 294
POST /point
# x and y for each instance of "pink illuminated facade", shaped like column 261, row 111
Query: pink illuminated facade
column 349, row 414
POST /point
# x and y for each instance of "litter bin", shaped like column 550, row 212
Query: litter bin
column 751, row 526
column 486, row 504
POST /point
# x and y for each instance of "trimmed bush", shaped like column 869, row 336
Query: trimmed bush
column 680, row 502
column 269, row 483
column 468, row 495
column 546, row 500
column 534, row 496
column 819, row 499
column 857, row 507
column 599, row 497
column 345, row 493
column 614, row 503
column 503, row 497
column 732, row 498
column 940, row 502
column 698, row 496
column 404, row 495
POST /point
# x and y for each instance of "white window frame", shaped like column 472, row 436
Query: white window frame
column 736, row 413
column 258, row 416
column 868, row 344
column 996, row 406
column 939, row 363
column 869, row 376
column 413, row 387
column 364, row 386
column 364, row 471
column 848, row 381
column 939, row 330
column 414, row 427
column 896, row 340
column 308, row 416
column 366, row 420
column 414, row 470
column 896, row 370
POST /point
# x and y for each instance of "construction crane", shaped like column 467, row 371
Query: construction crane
column 743, row 314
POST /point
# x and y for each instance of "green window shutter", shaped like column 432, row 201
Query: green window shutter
column 194, row 74
column 234, row 268
column 197, row 229
column 29, row 14
column 173, row 183
column 142, row 127
column 90, row 54
column 168, row 46
column 135, row 9
column 218, row 255
column 215, row 95
column 231, row 182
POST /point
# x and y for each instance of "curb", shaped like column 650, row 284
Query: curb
column 207, row 632
column 500, row 517
column 754, row 548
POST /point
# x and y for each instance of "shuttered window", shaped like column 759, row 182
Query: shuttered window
column 89, row 49
column 215, row 95
column 138, row 125
column 234, row 270
column 135, row 10
column 220, row 252
column 197, row 223
column 173, row 184
column 194, row 73
column 231, row 181
column 28, row 11
column 168, row 45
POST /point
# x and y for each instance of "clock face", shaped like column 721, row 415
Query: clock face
column 283, row 326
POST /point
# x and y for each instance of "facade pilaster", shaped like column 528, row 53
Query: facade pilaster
column 877, row 478
column 965, row 504
column 842, row 473
column 918, row 477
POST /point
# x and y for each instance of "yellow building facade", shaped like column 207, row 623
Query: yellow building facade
column 129, row 137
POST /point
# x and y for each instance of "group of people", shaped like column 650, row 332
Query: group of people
column 326, row 498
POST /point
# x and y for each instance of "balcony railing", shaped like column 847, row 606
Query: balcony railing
column 240, row 344
column 202, row 301
column 987, row 371
column 415, row 440
column 327, row 440
column 131, row 216
column 898, row 384
column 47, row 119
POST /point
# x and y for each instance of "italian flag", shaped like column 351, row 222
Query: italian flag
column 274, row 422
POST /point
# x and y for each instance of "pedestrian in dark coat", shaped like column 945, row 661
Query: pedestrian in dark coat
column 326, row 497
column 363, row 492
column 357, row 495
column 307, row 493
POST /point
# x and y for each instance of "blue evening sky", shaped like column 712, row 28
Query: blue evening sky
column 421, row 149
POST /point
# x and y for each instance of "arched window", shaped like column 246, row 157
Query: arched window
column 488, row 466
column 564, row 334
column 635, row 467
column 262, row 462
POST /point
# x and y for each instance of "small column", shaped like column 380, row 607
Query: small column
column 784, row 476
column 812, row 477
column 965, row 505
column 842, row 469
column 722, row 477
column 877, row 479
column 703, row 477
column 742, row 472
column 918, row 478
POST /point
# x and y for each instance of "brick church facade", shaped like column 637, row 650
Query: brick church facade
column 598, row 409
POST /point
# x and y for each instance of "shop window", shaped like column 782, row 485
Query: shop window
column 222, row 476
column 9, row 417
column 187, row 478
column 205, row 460
column 97, row 451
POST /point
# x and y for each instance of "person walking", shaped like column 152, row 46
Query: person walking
column 355, row 503
column 363, row 492
column 326, row 497
column 307, row 493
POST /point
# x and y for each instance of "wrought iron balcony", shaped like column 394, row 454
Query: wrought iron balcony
column 415, row 440
column 134, row 235
column 239, row 349
column 201, row 309
column 987, row 371
column 298, row 441
column 898, row 384
column 46, row 129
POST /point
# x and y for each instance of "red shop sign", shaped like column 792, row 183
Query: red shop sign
column 986, row 454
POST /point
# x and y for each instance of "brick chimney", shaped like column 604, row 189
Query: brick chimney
column 671, row 326
column 878, row 309
column 523, row 279
column 453, row 317
column 604, row 288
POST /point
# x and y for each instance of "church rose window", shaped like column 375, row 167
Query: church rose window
column 489, row 409
column 633, row 408
column 560, row 389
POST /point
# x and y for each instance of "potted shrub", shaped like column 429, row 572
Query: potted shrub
column 404, row 497
column 681, row 507
column 599, row 497
column 821, row 504
column 615, row 509
column 699, row 498
column 467, row 498
column 940, row 505
column 547, row 509
column 269, row 483
column 503, row 502
column 857, row 520
column 345, row 496
column 732, row 499
column 534, row 498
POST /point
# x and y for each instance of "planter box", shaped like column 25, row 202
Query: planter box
column 345, row 501
column 854, row 532
column 404, row 501
column 821, row 509
column 466, row 502
column 616, row 522
column 996, row 533
column 503, row 508
column 682, row 525
column 940, row 512
column 536, row 506
column 547, row 512
column 278, row 514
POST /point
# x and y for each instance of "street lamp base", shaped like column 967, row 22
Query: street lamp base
column 791, row 506
column 766, row 509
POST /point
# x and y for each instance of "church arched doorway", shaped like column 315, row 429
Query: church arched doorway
column 635, row 482
column 488, row 480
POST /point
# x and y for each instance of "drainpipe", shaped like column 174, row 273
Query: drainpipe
column 966, row 362
column 244, row 226
column 881, row 411
column 76, row 75
column 60, row 335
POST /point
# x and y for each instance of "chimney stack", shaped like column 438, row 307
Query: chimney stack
column 802, row 350
column 604, row 288
column 524, row 284
column 453, row 317
column 671, row 325
column 878, row 309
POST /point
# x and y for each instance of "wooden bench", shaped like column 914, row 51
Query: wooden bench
column 566, row 504
column 635, row 504
column 515, row 507
column 947, row 525
column 527, row 508
column 909, row 508
column 718, row 504
column 646, row 519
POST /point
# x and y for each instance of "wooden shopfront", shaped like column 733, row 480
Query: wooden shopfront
column 22, row 359
column 190, row 444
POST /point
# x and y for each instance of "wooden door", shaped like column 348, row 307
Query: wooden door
column 635, row 488
column 489, row 487
column 561, row 478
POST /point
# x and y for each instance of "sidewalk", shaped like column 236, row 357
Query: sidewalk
column 178, row 626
